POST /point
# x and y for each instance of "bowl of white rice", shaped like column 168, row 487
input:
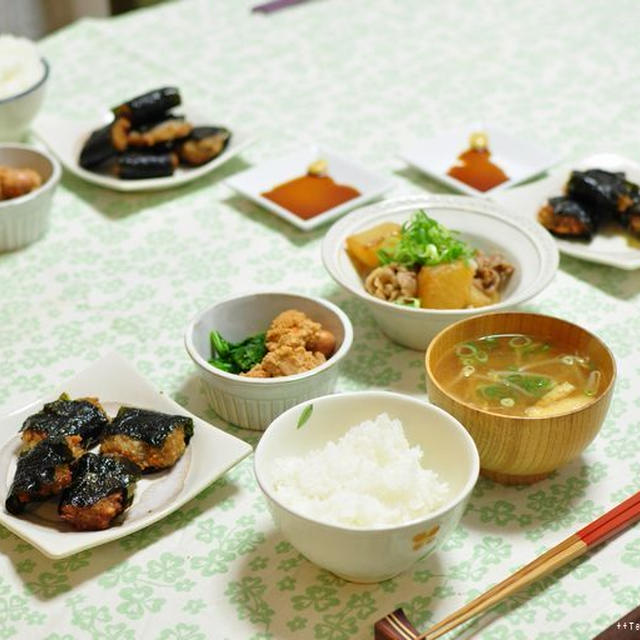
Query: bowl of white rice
column 365, row 484
column 23, row 79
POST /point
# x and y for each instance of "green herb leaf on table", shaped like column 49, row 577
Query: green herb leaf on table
column 424, row 241
column 304, row 416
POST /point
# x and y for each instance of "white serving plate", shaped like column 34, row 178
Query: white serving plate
column 210, row 453
column 611, row 244
column 65, row 138
column 520, row 159
column 480, row 222
column 255, row 181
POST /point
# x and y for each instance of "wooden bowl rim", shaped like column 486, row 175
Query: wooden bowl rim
column 494, row 414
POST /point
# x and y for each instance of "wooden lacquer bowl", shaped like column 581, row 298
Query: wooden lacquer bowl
column 523, row 450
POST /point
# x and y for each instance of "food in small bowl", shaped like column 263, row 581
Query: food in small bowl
column 23, row 77
column 416, row 467
column 28, row 179
column 423, row 264
column 146, row 139
column 294, row 343
column 532, row 390
column 261, row 353
column 432, row 277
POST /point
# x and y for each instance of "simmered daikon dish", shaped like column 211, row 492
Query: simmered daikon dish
column 520, row 375
column 423, row 264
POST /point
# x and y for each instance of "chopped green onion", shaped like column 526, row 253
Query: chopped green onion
column 507, row 402
column 568, row 359
column 414, row 303
column 468, row 370
column 519, row 342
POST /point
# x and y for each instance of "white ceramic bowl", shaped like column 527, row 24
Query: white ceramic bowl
column 370, row 555
column 24, row 219
column 17, row 112
column 254, row 402
column 483, row 224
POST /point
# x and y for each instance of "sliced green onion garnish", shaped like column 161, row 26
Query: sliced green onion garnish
column 507, row 402
column 518, row 342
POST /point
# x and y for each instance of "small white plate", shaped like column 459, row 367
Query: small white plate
column 255, row 181
column 611, row 244
column 519, row 159
column 66, row 138
column 210, row 454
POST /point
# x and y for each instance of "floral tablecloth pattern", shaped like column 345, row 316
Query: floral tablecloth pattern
column 126, row 272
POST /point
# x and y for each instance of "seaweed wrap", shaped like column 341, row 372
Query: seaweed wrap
column 568, row 218
column 78, row 422
column 104, row 144
column 204, row 144
column 166, row 130
column 149, row 106
column 42, row 471
column 137, row 166
column 151, row 439
column 101, row 489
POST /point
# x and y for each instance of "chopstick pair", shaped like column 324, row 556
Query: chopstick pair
column 396, row 626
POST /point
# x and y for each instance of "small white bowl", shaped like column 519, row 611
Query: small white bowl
column 24, row 219
column 17, row 112
column 254, row 402
column 375, row 554
column 253, row 182
column 483, row 224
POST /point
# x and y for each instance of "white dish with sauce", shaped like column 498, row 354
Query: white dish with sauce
column 253, row 182
column 520, row 159
column 481, row 223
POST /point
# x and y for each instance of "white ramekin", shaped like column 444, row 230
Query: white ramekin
column 26, row 218
column 254, row 402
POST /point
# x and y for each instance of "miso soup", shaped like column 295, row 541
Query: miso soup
column 519, row 375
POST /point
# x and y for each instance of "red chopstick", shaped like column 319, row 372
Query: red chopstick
column 395, row 626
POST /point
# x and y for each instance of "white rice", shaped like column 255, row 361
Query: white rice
column 369, row 478
column 20, row 65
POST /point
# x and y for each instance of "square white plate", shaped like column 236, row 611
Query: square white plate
column 66, row 137
column 210, row 453
column 611, row 244
column 255, row 181
column 519, row 159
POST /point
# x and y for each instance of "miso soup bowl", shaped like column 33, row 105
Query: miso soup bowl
column 378, row 553
column 253, row 403
column 481, row 223
column 514, row 449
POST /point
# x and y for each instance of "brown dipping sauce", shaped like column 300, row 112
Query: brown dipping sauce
column 474, row 167
column 310, row 195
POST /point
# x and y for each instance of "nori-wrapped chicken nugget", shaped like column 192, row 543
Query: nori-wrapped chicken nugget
column 42, row 471
column 203, row 145
column 167, row 130
column 150, row 439
column 567, row 218
column 78, row 422
column 101, row 489
column 149, row 106
column 104, row 144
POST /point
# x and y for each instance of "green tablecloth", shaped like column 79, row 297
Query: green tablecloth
column 126, row 272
